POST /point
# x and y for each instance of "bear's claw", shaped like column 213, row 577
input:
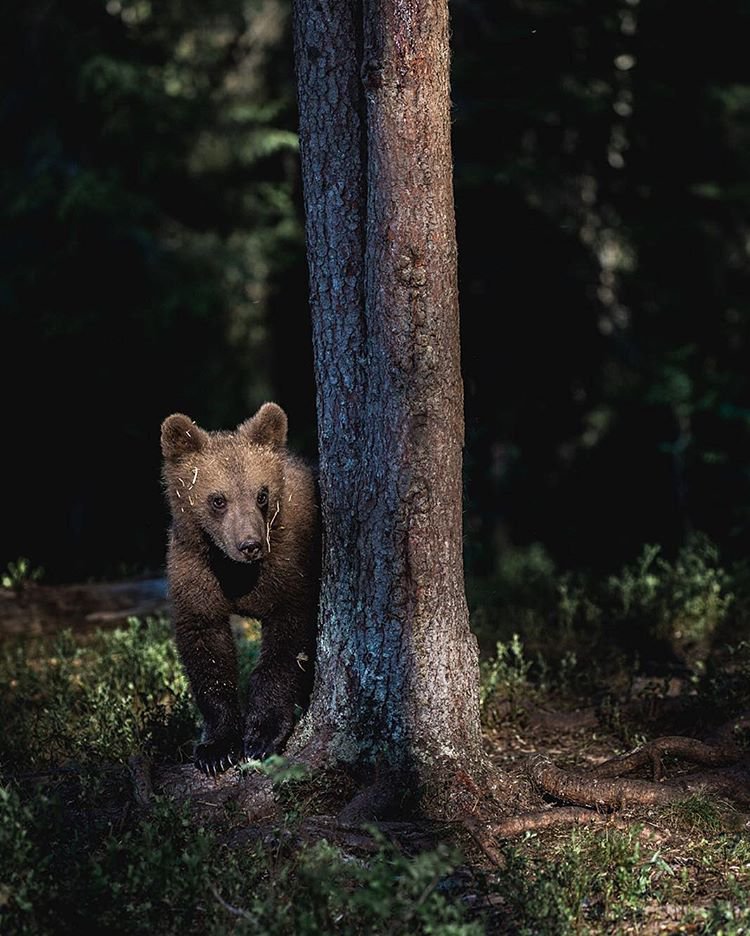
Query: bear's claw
column 215, row 757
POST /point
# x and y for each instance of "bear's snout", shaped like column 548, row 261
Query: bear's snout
column 251, row 549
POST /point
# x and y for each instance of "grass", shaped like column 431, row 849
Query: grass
column 592, row 881
column 75, row 708
column 101, row 699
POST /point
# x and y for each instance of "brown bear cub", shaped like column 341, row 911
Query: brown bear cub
column 244, row 539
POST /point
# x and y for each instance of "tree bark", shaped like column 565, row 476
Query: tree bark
column 397, row 665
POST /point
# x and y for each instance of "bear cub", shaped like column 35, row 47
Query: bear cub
column 244, row 539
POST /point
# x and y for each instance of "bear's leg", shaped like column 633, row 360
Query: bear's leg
column 281, row 680
column 209, row 655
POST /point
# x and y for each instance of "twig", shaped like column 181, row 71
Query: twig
column 269, row 525
column 235, row 911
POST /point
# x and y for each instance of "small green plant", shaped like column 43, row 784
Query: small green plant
column 592, row 880
column 575, row 610
column 20, row 573
column 696, row 814
column 517, row 597
column 293, row 784
column 22, row 863
column 680, row 603
column 728, row 916
column 504, row 678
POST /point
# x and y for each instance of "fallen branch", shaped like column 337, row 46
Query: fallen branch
column 235, row 911
column 37, row 609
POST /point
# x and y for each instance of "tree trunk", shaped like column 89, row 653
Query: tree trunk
column 397, row 665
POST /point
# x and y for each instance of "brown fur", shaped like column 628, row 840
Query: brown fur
column 233, row 550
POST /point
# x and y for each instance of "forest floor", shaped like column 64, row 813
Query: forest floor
column 678, row 868
column 78, row 702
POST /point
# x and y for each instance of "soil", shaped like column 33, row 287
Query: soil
column 37, row 609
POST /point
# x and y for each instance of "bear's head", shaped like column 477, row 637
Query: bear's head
column 230, row 485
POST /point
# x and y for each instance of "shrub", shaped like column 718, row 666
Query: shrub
column 119, row 692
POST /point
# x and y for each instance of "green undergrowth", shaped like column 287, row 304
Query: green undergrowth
column 76, row 707
column 102, row 697
column 166, row 875
column 659, row 647
column 610, row 881
column 73, row 700
column 688, row 616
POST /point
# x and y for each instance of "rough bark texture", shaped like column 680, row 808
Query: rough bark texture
column 397, row 670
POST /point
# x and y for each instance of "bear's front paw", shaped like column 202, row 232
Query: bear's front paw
column 266, row 734
column 219, row 754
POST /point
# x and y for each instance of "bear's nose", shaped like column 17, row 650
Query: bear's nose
column 251, row 548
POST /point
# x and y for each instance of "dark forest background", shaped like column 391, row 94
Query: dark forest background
column 152, row 260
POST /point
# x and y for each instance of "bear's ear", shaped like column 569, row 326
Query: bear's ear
column 267, row 427
column 180, row 436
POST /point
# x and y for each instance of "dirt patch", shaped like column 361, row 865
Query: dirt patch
column 36, row 609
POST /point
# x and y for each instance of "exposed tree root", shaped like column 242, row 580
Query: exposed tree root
column 487, row 834
column 552, row 818
column 605, row 787
column 478, row 808
column 246, row 791
column 596, row 792
column 484, row 802
column 408, row 805
column 593, row 796
column 387, row 796
column 653, row 752
column 556, row 817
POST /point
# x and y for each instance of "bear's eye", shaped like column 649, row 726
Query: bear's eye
column 218, row 501
column 262, row 497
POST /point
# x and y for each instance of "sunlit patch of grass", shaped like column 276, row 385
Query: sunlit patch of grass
column 695, row 814
column 102, row 699
column 504, row 680
column 586, row 881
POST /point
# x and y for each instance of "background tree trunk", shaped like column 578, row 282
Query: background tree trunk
column 397, row 668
